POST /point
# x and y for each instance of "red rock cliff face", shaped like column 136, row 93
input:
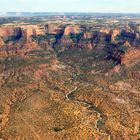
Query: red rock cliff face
column 1, row 42
column 129, row 56
column 115, row 33
column 7, row 31
column 19, row 40
column 88, row 35
column 10, row 32
column 33, row 30
column 16, row 40
column 72, row 29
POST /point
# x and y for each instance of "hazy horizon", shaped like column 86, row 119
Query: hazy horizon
column 40, row 14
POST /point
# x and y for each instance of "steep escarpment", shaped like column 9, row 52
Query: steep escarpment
column 81, row 36
column 120, row 46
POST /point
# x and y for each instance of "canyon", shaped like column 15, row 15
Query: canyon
column 69, row 81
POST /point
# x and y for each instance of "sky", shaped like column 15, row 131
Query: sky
column 102, row 6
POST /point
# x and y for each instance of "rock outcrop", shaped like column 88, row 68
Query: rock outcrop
column 72, row 30
column 18, row 40
column 130, row 56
